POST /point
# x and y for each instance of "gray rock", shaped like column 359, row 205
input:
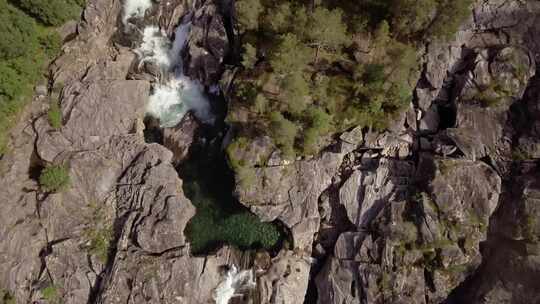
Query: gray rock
column 430, row 121
column 290, row 193
column 92, row 113
column 207, row 45
column 179, row 139
column 354, row 137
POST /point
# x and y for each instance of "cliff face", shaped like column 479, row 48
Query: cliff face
column 440, row 208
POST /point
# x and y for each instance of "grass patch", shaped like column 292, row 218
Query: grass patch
column 51, row 295
column 54, row 115
column 55, row 178
column 100, row 233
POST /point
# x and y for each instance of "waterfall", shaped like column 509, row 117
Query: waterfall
column 234, row 282
column 154, row 47
column 179, row 94
column 135, row 8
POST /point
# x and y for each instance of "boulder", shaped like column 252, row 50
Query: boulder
column 179, row 139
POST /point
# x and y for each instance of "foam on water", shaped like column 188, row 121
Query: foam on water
column 135, row 8
column 155, row 47
column 234, row 281
column 171, row 100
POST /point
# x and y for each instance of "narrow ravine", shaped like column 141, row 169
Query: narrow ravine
column 208, row 181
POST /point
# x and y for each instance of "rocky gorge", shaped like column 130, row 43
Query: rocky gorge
column 440, row 207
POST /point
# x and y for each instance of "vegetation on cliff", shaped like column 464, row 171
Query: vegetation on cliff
column 55, row 178
column 26, row 44
column 315, row 68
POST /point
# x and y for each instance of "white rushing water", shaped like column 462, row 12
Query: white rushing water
column 234, row 282
column 135, row 8
column 171, row 100
column 154, row 47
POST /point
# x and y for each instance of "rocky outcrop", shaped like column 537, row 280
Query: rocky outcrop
column 207, row 45
column 290, row 193
column 410, row 248
column 179, row 139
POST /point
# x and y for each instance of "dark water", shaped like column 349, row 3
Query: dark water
column 220, row 218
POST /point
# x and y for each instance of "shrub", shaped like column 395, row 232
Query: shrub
column 54, row 115
column 24, row 48
column 17, row 32
column 290, row 55
column 450, row 15
column 50, row 12
column 55, row 178
column 283, row 132
column 51, row 43
column 296, row 89
column 99, row 242
column 412, row 16
column 249, row 58
column 326, row 28
column 247, row 13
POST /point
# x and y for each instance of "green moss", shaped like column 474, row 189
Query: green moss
column 55, row 178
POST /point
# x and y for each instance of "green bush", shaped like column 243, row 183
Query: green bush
column 51, row 12
column 284, row 132
column 50, row 43
column 24, row 48
column 290, row 55
column 54, row 115
column 55, row 178
column 100, row 239
column 247, row 13
column 249, row 58
column 450, row 15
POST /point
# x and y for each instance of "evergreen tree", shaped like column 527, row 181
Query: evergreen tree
column 326, row 29
column 283, row 132
column 296, row 90
column 412, row 16
column 249, row 58
column 248, row 12
column 290, row 55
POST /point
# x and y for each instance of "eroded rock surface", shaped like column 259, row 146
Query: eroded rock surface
column 442, row 207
